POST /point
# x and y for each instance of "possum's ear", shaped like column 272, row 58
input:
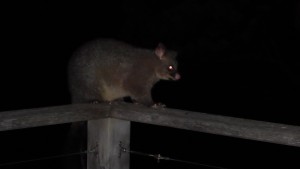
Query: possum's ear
column 160, row 50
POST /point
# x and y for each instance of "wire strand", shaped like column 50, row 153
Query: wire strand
column 42, row 158
column 156, row 156
column 160, row 157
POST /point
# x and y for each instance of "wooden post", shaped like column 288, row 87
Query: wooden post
column 104, row 138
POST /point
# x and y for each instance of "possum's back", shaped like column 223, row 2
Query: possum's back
column 97, row 59
column 92, row 60
column 104, row 51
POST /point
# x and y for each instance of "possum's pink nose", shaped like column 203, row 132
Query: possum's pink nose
column 177, row 76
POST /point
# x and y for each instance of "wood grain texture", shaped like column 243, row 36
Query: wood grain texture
column 195, row 121
column 104, row 139
column 26, row 118
column 213, row 124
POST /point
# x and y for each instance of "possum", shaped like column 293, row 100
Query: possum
column 105, row 70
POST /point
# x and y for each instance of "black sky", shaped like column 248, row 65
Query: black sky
column 236, row 58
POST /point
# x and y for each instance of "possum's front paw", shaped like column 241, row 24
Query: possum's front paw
column 158, row 105
column 98, row 102
column 94, row 102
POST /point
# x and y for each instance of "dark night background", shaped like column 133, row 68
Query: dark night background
column 236, row 58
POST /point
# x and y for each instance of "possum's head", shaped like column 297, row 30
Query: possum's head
column 167, row 69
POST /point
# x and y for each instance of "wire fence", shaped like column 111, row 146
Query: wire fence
column 158, row 158
column 42, row 159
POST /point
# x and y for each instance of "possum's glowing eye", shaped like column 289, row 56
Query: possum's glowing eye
column 171, row 68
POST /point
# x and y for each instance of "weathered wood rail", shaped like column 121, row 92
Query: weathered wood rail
column 108, row 125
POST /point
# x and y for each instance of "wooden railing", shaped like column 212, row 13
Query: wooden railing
column 109, row 125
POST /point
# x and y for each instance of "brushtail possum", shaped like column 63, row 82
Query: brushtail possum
column 107, row 70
